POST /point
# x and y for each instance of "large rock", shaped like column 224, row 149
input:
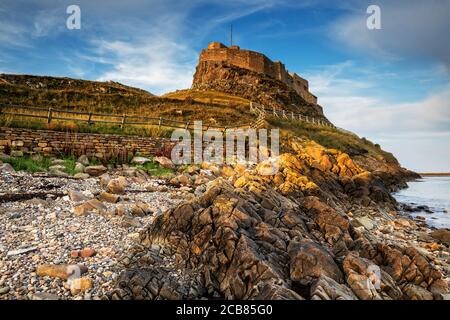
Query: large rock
column 62, row 271
column 442, row 235
column 84, row 160
column 309, row 261
column 140, row 160
column 95, row 171
column 325, row 288
column 79, row 168
column 225, row 239
column 285, row 236
column 108, row 197
column 415, row 292
column 77, row 196
column 6, row 167
column 164, row 162
column 79, row 285
column 93, row 205
column 117, row 186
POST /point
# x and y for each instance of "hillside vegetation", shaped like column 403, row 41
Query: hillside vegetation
column 210, row 106
column 115, row 98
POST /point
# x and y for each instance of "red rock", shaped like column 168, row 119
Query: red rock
column 87, row 253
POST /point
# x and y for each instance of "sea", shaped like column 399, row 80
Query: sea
column 433, row 192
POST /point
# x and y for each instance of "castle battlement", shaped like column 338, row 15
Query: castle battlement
column 257, row 62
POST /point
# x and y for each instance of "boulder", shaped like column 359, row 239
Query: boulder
column 363, row 276
column 62, row 271
column 95, row 171
column 87, row 253
column 108, row 197
column 366, row 222
column 77, row 196
column 79, row 285
column 117, row 186
column 83, row 159
column 6, row 168
column 79, row 168
column 442, row 235
column 164, row 162
column 81, row 176
column 57, row 167
column 140, row 160
column 415, row 292
column 141, row 209
column 325, row 288
column 89, row 206
column 184, row 180
column 309, row 261
column 104, row 180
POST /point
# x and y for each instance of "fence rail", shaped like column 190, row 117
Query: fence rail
column 288, row 115
column 50, row 114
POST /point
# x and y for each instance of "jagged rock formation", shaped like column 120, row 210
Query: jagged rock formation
column 257, row 62
column 253, row 76
column 286, row 236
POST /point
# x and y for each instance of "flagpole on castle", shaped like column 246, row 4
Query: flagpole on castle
column 231, row 35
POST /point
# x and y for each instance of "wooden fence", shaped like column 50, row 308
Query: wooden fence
column 288, row 115
column 51, row 114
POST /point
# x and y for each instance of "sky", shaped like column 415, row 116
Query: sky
column 390, row 85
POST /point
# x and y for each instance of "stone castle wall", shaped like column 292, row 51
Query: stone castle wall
column 54, row 142
column 257, row 62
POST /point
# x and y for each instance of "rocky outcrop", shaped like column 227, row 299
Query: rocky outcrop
column 286, row 236
column 257, row 87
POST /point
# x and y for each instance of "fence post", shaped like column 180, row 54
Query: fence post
column 292, row 115
column 123, row 120
column 49, row 115
column 187, row 125
column 90, row 117
column 159, row 123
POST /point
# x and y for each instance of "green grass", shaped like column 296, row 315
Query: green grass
column 29, row 164
column 39, row 164
column 154, row 169
column 332, row 138
column 42, row 164
column 83, row 127
column 69, row 164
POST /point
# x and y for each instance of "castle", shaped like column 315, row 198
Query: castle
column 257, row 62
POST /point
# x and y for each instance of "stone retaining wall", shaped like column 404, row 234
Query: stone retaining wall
column 28, row 141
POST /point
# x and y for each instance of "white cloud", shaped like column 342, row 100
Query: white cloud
column 410, row 28
column 158, row 56
column 157, row 63
column 409, row 129
column 48, row 22
column 13, row 34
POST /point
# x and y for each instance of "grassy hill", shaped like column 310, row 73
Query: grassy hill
column 212, row 107
column 115, row 98
column 208, row 96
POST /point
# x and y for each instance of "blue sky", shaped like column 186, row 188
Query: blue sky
column 390, row 85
